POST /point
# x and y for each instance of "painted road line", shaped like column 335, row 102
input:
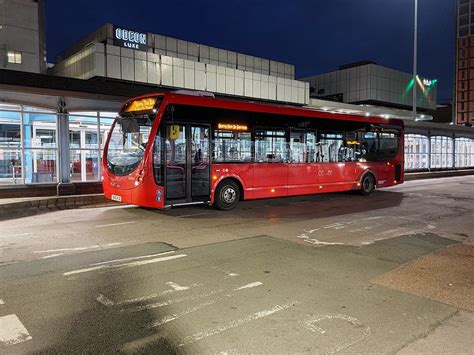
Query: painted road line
column 188, row 298
column 175, row 316
column 12, row 331
column 75, row 249
column 114, row 224
column 131, row 258
column 251, row 285
column 168, row 302
column 235, row 323
column 125, row 265
column 104, row 300
column 1, row 302
column 155, row 295
column 52, row 256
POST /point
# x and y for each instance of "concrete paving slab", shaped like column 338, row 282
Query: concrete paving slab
column 454, row 336
column 446, row 276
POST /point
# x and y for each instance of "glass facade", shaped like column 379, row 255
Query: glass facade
column 438, row 152
column 29, row 144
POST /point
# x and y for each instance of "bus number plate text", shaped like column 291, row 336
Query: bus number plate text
column 117, row 198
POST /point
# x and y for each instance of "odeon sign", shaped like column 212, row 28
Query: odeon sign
column 130, row 39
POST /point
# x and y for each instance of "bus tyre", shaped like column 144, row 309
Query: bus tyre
column 367, row 185
column 227, row 195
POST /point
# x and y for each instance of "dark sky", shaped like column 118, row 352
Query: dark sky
column 314, row 35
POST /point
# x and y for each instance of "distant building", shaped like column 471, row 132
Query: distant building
column 464, row 78
column 366, row 83
column 22, row 35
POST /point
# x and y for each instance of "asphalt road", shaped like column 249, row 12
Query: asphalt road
column 311, row 274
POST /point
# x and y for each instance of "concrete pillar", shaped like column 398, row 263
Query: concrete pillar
column 65, row 187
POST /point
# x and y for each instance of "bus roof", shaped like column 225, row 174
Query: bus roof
column 270, row 108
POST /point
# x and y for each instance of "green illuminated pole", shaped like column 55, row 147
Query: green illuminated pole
column 415, row 44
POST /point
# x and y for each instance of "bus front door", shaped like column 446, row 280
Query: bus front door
column 187, row 173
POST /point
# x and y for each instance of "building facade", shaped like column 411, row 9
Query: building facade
column 116, row 53
column 366, row 83
column 22, row 35
column 464, row 72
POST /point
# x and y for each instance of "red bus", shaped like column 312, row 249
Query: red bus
column 172, row 149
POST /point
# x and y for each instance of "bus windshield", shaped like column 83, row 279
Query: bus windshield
column 128, row 140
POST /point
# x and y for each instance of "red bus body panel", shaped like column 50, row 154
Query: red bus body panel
column 258, row 180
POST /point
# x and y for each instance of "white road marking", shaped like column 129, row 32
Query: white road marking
column 107, row 302
column 12, row 331
column 192, row 215
column 16, row 235
column 253, row 284
column 233, row 324
column 52, row 256
column 175, row 316
column 168, row 302
column 132, row 258
column 75, row 249
column 1, row 302
column 175, row 287
column 310, row 325
column 114, row 224
column 125, row 265
column 316, row 241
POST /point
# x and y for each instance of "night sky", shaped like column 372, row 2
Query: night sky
column 314, row 35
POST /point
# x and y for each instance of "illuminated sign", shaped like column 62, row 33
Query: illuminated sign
column 130, row 39
column 141, row 105
column 232, row 127
column 429, row 82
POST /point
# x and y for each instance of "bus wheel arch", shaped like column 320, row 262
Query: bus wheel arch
column 228, row 193
column 368, row 183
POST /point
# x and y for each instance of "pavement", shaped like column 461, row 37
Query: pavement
column 313, row 274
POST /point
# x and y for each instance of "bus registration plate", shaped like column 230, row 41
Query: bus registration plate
column 117, row 198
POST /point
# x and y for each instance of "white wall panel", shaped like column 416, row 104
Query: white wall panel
column 99, row 64
column 128, row 68
column 141, row 71
column 153, row 73
column 211, row 81
column 239, row 82
column 272, row 91
column 113, row 50
column 264, row 86
column 113, row 66
column 199, row 79
column 220, row 79
column 178, row 75
column 256, row 88
column 166, row 74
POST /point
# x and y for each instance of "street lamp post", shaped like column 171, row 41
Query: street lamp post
column 415, row 45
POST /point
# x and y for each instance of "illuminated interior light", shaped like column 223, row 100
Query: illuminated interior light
column 367, row 114
column 232, row 126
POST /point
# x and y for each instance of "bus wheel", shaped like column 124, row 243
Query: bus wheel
column 227, row 195
column 367, row 185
